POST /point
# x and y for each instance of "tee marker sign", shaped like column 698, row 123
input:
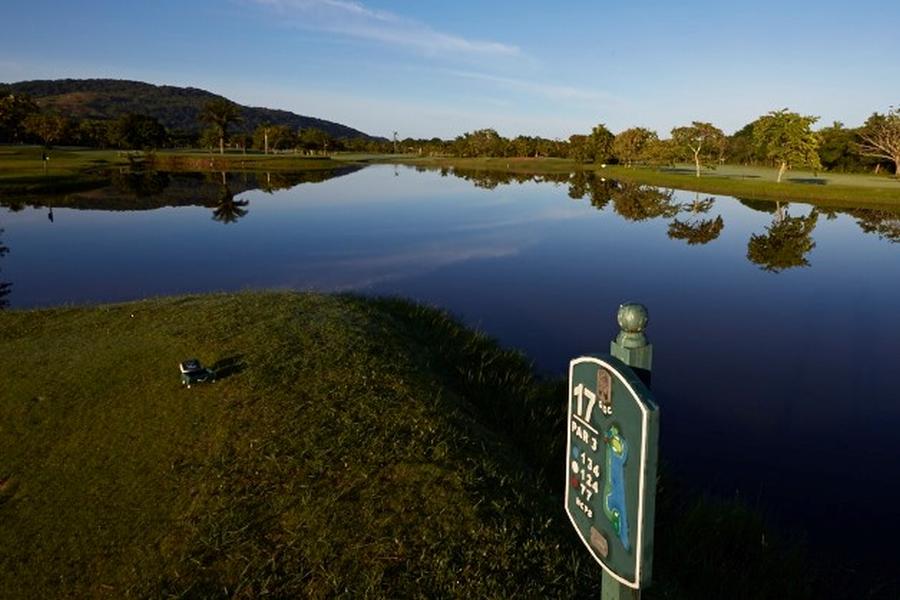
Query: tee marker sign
column 611, row 459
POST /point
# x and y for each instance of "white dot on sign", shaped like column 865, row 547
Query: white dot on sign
column 575, row 466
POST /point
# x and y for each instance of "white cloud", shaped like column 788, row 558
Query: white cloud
column 354, row 19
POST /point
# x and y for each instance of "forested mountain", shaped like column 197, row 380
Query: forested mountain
column 177, row 108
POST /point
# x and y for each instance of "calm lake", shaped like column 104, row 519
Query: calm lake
column 776, row 328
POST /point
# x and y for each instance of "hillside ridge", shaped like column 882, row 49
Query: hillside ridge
column 177, row 108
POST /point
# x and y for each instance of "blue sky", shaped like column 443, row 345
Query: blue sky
column 442, row 68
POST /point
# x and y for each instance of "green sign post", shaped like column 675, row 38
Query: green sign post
column 611, row 458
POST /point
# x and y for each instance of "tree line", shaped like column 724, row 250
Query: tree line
column 23, row 121
column 781, row 138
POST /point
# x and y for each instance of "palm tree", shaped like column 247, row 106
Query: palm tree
column 220, row 113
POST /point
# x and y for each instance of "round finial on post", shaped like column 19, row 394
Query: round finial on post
column 632, row 319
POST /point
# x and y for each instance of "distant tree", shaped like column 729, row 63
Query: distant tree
column 50, row 128
column 14, row 110
column 740, row 149
column 881, row 137
column 632, row 144
column 523, row 145
column 137, row 132
column 483, row 142
column 661, row 152
column 221, row 114
column 209, row 138
column 274, row 137
column 313, row 138
column 787, row 139
column 93, row 133
column 785, row 244
column 838, row 151
column 703, row 141
column 600, row 144
column 578, row 148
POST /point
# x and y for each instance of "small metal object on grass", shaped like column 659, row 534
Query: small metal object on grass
column 193, row 371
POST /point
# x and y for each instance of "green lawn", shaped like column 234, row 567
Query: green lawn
column 23, row 171
column 358, row 448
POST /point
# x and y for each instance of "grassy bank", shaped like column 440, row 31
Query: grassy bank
column 23, row 172
column 351, row 448
column 758, row 183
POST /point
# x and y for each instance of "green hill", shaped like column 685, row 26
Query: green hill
column 178, row 108
column 351, row 448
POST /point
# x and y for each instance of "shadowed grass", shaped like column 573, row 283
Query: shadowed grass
column 358, row 448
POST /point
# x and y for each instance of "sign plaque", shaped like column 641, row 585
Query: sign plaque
column 611, row 457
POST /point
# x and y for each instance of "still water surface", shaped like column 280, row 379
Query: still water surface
column 776, row 329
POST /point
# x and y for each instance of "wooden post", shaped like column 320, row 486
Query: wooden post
column 633, row 349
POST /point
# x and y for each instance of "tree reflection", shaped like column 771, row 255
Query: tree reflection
column 697, row 231
column 883, row 223
column 141, row 184
column 786, row 242
column 635, row 202
column 490, row 180
column 5, row 286
column 228, row 210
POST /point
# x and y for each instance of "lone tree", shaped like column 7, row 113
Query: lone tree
column 632, row 144
column 705, row 142
column 600, row 144
column 881, row 137
column 220, row 114
column 49, row 127
column 787, row 138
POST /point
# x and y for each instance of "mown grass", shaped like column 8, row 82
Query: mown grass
column 23, row 170
column 192, row 160
column 358, row 448
column 821, row 188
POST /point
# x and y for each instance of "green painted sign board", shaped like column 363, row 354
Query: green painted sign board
column 613, row 432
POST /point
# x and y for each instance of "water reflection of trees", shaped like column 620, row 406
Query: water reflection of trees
column 5, row 286
column 786, row 242
column 227, row 209
column 694, row 230
column 146, row 189
column 140, row 184
column 883, row 223
column 492, row 179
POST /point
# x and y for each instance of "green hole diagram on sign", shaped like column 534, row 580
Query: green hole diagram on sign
column 614, row 494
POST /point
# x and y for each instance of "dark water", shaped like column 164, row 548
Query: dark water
column 776, row 328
